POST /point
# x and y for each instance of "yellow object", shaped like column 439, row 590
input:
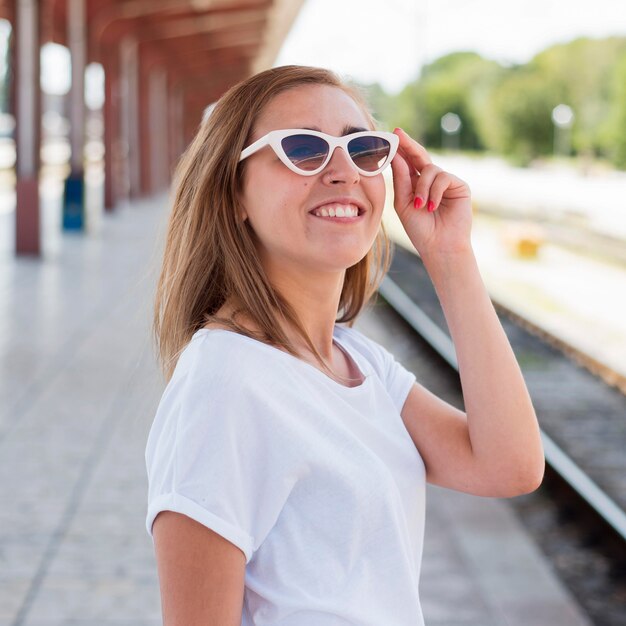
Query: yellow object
column 523, row 239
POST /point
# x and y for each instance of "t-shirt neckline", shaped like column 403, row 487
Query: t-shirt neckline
column 364, row 372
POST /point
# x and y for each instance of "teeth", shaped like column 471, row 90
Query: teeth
column 337, row 210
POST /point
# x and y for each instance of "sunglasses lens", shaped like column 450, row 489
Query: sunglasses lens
column 306, row 152
column 369, row 153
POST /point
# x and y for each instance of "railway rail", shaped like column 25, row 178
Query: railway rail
column 580, row 404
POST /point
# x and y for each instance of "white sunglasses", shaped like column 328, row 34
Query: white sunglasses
column 307, row 152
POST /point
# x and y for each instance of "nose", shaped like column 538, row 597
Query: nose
column 341, row 167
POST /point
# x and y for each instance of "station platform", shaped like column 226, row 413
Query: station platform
column 79, row 386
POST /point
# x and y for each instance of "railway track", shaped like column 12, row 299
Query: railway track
column 580, row 404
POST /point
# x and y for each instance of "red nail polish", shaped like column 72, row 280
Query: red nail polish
column 431, row 206
column 417, row 203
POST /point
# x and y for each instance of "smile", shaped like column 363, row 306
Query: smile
column 335, row 212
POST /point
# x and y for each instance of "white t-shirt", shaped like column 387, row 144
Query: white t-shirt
column 319, row 484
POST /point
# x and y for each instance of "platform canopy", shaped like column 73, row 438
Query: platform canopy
column 205, row 45
column 164, row 62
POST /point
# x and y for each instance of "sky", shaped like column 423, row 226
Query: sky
column 388, row 41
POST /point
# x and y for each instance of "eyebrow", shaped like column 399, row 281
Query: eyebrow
column 347, row 129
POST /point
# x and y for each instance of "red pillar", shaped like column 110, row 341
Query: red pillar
column 111, row 112
column 157, row 132
column 74, row 190
column 144, row 103
column 27, row 131
column 129, row 119
column 76, row 30
column 175, row 117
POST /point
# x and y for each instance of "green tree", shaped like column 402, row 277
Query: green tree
column 522, row 109
column 583, row 71
column 382, row 104
column 614, row 131
column 508, row 110
column 455, row 83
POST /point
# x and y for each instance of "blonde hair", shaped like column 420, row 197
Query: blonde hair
column 209, row 253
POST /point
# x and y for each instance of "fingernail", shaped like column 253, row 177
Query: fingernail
column 431, row 206
column 417, row 203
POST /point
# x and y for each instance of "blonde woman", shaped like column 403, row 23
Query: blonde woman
column 288, row 457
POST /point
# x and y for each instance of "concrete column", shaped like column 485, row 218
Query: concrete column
column 74, row 197
column 176, row 127
column 112, row 116
column 28, row 133
column 191, row 118
column 129, row 122
column 145, row 64
column 158, row 137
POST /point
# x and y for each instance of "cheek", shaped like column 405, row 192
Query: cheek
column 377, row 195
column 268, row 209
column 256, row 198
column 273, row 199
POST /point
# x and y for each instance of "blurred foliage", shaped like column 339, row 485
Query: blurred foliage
column 6, row 74
column 508, row 110
column 520, row 115
column 614, row 135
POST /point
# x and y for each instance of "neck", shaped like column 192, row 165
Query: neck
column 315, row 301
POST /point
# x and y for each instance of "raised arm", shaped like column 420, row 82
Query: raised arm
column 494, row 448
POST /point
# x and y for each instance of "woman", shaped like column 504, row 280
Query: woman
column 288, row 457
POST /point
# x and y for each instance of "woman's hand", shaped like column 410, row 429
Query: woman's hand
column 445, row 230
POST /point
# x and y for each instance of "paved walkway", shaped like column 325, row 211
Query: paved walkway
column 78, row 390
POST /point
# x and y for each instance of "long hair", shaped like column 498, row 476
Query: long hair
column 209, row 253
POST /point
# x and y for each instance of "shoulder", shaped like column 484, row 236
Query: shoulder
column 219, row 357
column 225, row 366
column 218, row 385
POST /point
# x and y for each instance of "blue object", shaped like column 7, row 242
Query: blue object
column 74, row 203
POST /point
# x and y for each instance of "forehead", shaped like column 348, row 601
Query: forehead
column 321, row 106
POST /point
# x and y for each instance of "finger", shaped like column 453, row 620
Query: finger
column 437, row 189
column 403, row 184
column 423, row 187
column 412, row 172
column 413, row 151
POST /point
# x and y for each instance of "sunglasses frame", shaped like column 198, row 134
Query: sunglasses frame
column 275, row 137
